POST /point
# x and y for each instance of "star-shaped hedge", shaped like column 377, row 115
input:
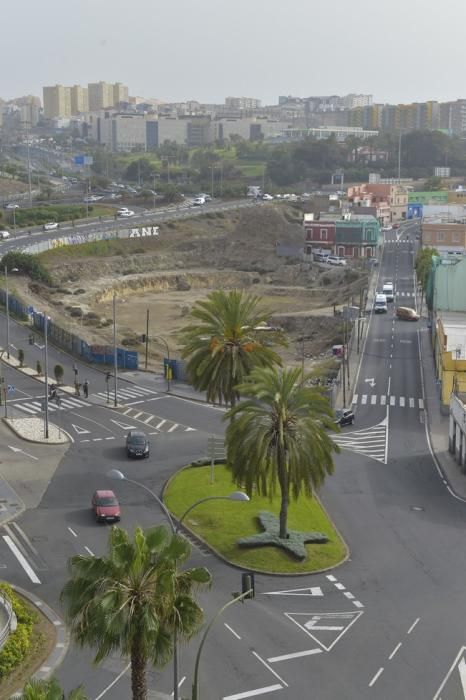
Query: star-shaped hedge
column 294, row 543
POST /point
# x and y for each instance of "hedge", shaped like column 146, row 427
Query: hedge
column 27, row 264
column 19, row 642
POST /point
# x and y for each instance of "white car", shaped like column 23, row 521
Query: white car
column 92, row 198
column 10, row 205
column 125, row 212
column 51, row 226
column 267, row 197
column 4, row 234
column 335, row 260
column 386, row 228
column 198, row 201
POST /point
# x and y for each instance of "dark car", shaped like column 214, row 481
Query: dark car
column 105, row 506
column 137, row 444
column 344, row 416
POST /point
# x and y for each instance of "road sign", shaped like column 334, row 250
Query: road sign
column 325, row 628
column 11, row 388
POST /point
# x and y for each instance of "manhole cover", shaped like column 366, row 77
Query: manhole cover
column 418, row 508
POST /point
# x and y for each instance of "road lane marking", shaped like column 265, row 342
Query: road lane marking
column 72, row 532
column 379, row 672
column 413, row 625
column 421, row 403
column 161, row 423
column 296, row 655
column 364, row 399
column 250, row 693
column 269, row 668
column 355, row 399
column 89, row 551
column 358, row 603
column 392, row 400
column 411, row 403
column 232, row 630
column 340, row 586
column 115, row 680
column 394, row 651
column 22, row 560
column 383, row 400
column 349, row 595
column 179, row 686
column 174, row 427
column 402, row 401
column 373, row 399
column 332, row 578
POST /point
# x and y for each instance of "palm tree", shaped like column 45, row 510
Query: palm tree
column 226, row 341
column 133, row 600
column 49, row 690
column 280, row 434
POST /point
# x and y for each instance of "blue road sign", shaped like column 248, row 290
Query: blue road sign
column 11, row 388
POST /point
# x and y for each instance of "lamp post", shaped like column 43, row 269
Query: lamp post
column 7, row 307
column 46, row 378
column 115, row 354
column 234, row 496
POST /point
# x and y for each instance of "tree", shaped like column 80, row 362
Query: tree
column 224, row 343
column 134, row 600
column 21, row 357
column 433, row 184
column 49, row 690
column 58, row 372
column 38, row 368
column 280, row 435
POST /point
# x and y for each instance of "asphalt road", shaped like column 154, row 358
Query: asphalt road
column 389, row 623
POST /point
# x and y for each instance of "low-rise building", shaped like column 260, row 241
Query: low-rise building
column 349, row 237
column 457, row 429
column 444, row 237
column 449, row 342
column 394, row 196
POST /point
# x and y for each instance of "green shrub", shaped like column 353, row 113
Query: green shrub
column 28, row 265
column 19, row 642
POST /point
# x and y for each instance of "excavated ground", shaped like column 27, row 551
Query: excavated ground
column 190, row 258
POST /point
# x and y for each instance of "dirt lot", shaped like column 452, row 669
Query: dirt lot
column 190, row 258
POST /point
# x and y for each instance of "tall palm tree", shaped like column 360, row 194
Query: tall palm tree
column 224, row 342
column 133, row 600
column 49, row 690
column 280, row 435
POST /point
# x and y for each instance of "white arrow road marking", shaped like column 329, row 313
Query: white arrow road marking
column 79, row 430
column 17, row 449
column 371, row 382
column 313, row 591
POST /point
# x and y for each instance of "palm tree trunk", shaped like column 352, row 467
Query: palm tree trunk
column 138, row 672
column 284, row 488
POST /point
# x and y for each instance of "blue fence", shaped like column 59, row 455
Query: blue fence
column 98, row 354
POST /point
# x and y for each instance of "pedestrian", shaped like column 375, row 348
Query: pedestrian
column 86, row 388
column 77, row 387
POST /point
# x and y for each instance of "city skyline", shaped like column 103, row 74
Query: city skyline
column 260, row 51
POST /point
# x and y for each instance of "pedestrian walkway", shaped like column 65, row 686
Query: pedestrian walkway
column 125, row 394
column 149, row 420
column 387, row 400
column 34, row 406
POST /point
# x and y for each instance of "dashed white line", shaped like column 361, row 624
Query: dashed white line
column 380, row 671
column 72, row 532
column 115, row 680
column 340, row 586
column 174, row 427
column 89, row 551
column 348, row 595
column 250, row 693
column 232, row 630
column 413, row 625
column 358, row 604
column 296, row 655
column 330, row 577
column 394, row 651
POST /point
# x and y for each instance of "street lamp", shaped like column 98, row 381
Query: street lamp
column 234, row 496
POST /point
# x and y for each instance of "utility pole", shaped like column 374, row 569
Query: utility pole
column 7, row 305
column 399, row 157
column 46, row 377
column 115, row 352
column 147, row 339
column 29, row 163
column 212, row 185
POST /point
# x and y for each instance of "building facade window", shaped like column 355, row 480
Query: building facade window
column 440, row 236
column 323, row 234
column 456, row 238
column 426, row 237
column 341, row 251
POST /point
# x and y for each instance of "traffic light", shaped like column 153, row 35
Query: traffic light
column 248, row 584
column 107, row 377
column 143, row 338
column 31, row 339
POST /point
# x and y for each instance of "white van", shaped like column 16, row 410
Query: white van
column 380, row 306
column 387, row 289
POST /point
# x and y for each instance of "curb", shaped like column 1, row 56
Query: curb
column 62, row 641
column 38, row 442
column 200, row 541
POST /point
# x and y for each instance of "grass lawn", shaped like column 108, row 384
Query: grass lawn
column 221, row 523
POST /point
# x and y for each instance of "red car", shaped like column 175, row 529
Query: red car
column 395, row 225
column 105, row 507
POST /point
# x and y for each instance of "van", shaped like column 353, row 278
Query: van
column 380, row 305
column 320, row 256
column 406, row 314
column 387, row 289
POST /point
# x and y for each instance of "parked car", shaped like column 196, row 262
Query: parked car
column 51, row 226
column 344, row 416
column 406, row 314
column 124, row 212
column 395, row 225
column 106, row 507
column 4, row 234
column 198, row 201
column 267, row 197
column 335, row 260
column 380, row 305
column 321, row 256
column 93, row 198
column 386, row 228
column 11, row 205
column 137, row 444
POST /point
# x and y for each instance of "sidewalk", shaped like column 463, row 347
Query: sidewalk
column 438, row 424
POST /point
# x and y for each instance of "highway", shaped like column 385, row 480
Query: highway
column 389, row 623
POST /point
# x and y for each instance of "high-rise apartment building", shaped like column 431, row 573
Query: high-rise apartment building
column 104, row 95
column 242, row 103
column 79, row 99
column 57, row 101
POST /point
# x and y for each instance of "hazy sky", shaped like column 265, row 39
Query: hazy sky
column 399, row 50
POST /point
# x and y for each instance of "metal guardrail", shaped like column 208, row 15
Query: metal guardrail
column 11, row 618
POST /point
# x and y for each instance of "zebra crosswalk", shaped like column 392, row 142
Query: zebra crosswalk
column 149, row 420
column 125, row 395
column 371, row 442
column 404, row 294
column 387, row 400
